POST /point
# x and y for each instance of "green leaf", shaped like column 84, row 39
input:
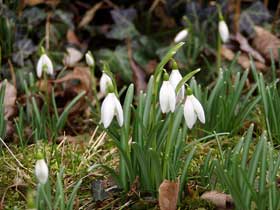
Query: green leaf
column 185, row 79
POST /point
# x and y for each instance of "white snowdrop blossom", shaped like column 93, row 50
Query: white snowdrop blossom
column 44, row 64
column 175, row 78
column 105, row 81
column 111, row 107
column 167, row 97
column 41, row 171
column 89, row 59
column 181, row 35
column 223, row 30
column 193, row 110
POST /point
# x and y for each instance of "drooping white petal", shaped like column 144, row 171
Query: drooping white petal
column 163, row 99
column 223, row 30
column 39, row 68
column 171, row 97
column 105, row 81
column 44, row 64
column 108, row 110
column 198, row 108
column 181, row 35
column 49, row 65
column 89, row 59
column 189, row 113
column 41, row 171
column 72, row 56
column 118, row 111
column 167, row 97
column 175, row 78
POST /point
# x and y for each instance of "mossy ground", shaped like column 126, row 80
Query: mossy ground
column 76, row 155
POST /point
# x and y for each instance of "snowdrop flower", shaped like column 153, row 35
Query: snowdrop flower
column 167, row 96
column 181, row 35
column 89, row 59
column 111, row 107
column 44, row 64
column 175, row 78
column 41, row 171
column 105, row 81
column 223, row 30
column 193, row 110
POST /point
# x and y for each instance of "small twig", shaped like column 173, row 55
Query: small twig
column 277, row 13
column 6, row 190
column 10, row 151
column 12, row 72
column 265, row 2
column 111, row 4
column 48, row 31
column 154, row 5
column 236, row 16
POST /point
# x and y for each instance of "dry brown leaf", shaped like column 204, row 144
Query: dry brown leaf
column 168, row 195
column 264, row 42
column 72, row 38
column 243, row 59
column 221, row 200
column 246, row 47
column 167, row 21
column 75, row 82
column 9, row 99
column 9, row 106
column 35, row 2
column 151, row 66
column 90, row 15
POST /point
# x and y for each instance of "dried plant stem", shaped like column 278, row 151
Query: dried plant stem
column 10, row 151
column 236, row 16
column 12, row 71
column 48, row 32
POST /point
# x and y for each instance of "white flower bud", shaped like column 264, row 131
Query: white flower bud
column 89, row 59
column 167, row 97
column 105, row 81
column 111, row 107
column 192, row 110
column 223, row 30
column 41, row 171
column 181, row 35
column 44, row 64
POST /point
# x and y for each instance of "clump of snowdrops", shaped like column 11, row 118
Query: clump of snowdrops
column 150, row 132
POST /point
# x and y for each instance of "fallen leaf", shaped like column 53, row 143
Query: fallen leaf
column 264, row 42
column 151, row 66
column 9, row 99
column 90, row 15
column 242, row 60
column 74, row 83
column 138, row 73
column 35, row 2
column 256, row 14
column 9, row 106
column 98, row 190
column 245, row 46
column 221, row 200
column 168, row 195
column 166, row 20
column 72, row 38
column 72, row 56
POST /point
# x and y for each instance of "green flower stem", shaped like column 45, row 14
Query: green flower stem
column 167, row 148
column 219, row 52
column 94, row 90
column 47, row 99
